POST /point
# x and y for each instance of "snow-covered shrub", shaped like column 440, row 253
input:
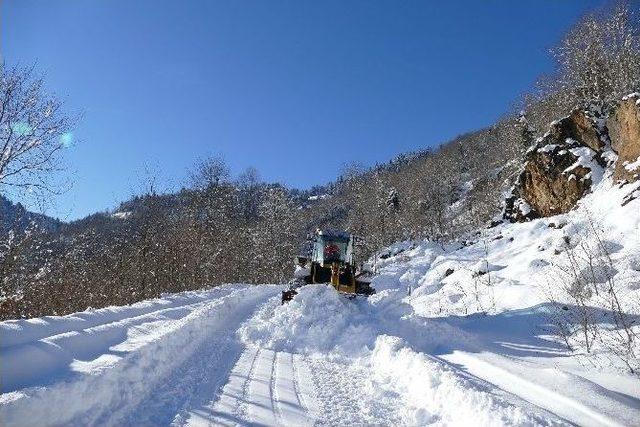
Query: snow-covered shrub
column 593, row 312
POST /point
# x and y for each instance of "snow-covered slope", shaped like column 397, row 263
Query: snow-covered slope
column 15, row 217
column 521, row 259
column 501, row 293
column 458, row 334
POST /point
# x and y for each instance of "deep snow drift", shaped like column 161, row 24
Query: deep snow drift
column 361, row 338
column 457, row 334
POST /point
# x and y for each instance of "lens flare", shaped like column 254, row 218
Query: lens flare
column 21, row 128
column 66, row 139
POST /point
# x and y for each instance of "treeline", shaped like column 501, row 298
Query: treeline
column 222, row 233
column 219, row 230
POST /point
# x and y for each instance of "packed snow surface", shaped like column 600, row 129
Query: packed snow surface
column 457, row 334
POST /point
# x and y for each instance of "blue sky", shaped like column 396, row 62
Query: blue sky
column 277, row 85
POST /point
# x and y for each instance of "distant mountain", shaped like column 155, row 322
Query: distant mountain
column 14, row 216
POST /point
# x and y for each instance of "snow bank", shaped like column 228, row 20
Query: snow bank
column 435, row 394
column 38, row 351
column 84, row 376
column 322, row 323
column 319, row 320
column 14, row 332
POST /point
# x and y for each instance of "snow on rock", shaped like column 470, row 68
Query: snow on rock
column 586, row 158
column 631, row 167
column 548, row 148
column 484, row 267
column 559, row 169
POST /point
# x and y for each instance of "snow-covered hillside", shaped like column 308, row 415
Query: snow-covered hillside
column 16, row 218
column 457, row 334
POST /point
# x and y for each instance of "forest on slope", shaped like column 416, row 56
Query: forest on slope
column 220, row 229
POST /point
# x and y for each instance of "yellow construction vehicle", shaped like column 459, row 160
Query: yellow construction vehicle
column 331, row 261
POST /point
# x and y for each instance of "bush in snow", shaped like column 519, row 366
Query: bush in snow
column 586, row 282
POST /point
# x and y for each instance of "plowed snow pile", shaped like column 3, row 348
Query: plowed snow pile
column 352, row 334
column 433, row 393
column 319, row 320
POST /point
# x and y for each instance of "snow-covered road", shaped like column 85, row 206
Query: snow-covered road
column 265, row 387
column 139, row 365
column 234, row 356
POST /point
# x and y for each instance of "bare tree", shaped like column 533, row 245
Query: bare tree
column 248, row 184
column 33, row 132
column 208, row 172
column 597, row 64
column 275, row 242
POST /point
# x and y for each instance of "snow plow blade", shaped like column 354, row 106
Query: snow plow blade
column 365, row 292
column 288, row 295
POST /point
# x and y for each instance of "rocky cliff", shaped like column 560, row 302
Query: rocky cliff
column 624, row 131
column 572, row 156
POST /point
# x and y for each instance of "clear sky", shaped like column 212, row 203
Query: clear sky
column 294, row 88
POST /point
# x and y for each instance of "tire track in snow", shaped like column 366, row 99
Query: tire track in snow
column 275, row 396
column 305, row 390
column 195, row 382
column 265, row 388
column 168, row 402
column 146, row 363
column 261, row 408
column 230, row 408
column 289, row 399
column 240, row 407
column 296, row 383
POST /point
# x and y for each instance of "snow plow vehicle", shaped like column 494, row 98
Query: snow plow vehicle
column 331, row 261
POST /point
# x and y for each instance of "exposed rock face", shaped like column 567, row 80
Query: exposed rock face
column 624, row 132
column 580, row 128
column 558, row 170
column 563, row 164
